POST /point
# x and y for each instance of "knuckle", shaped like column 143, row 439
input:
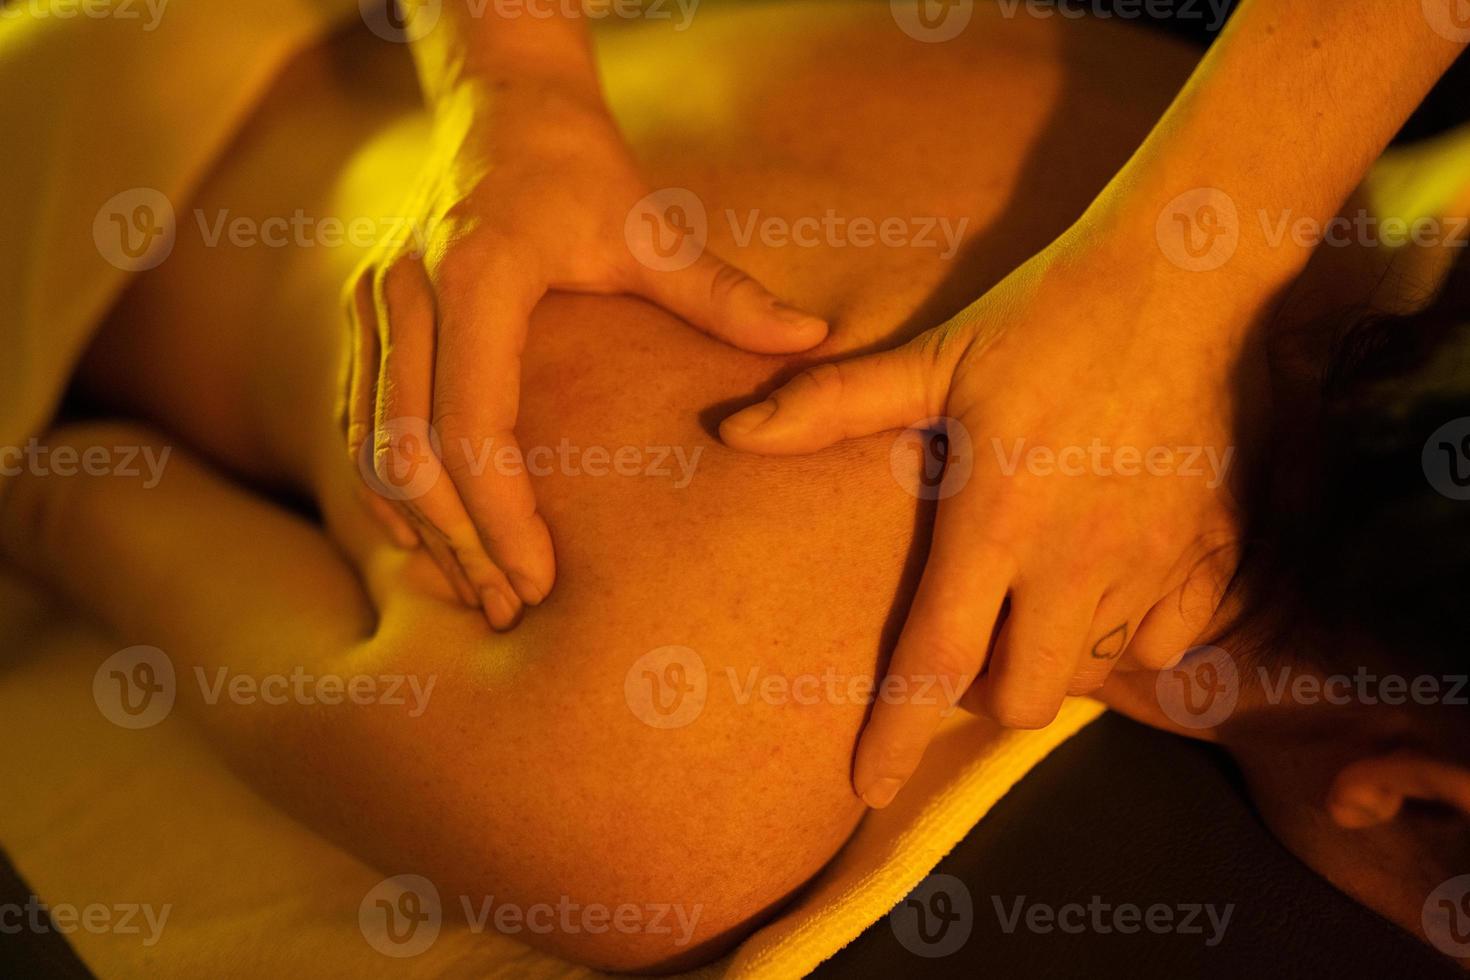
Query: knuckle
column 727, row 283
column 1027, row 713
column 401, row 281
column 1047, row 658
column 821, row 380
column 946, row 657
column 1153, row 656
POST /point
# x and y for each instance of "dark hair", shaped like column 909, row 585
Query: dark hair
column 1357, row 537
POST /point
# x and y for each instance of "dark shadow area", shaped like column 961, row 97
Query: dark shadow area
column 1133, row 815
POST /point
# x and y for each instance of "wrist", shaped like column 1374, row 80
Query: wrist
column 1199, row 248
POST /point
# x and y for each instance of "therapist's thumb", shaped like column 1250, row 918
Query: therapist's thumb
column 841, row 400
column 727, row 303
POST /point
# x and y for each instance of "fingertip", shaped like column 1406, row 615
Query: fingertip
column 879, row 793
column 501, row 610
column 798, row 329
column 744, row 424
column 534, row 576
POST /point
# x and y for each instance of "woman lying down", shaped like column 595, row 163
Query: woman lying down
column 559, row 759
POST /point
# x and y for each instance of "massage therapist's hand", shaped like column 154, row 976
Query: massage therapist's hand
column 1053, row 390
column 532, row 195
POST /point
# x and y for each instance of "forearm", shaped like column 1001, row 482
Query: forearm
column 478, row 56
column 1282, row 118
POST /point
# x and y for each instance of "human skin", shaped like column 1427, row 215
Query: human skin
column 529, row 777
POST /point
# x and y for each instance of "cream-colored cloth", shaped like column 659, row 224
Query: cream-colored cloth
column 97, row 816
column 80, row 162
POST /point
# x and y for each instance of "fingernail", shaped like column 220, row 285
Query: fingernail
column 798, row 318
column 881, row 792
column 529, row 592
column 747, row 420
column 500, row 609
